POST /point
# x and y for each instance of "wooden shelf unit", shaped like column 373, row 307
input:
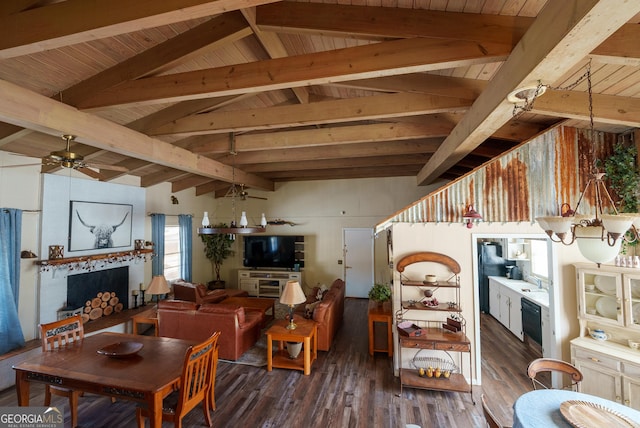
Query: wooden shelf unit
column 433, row 337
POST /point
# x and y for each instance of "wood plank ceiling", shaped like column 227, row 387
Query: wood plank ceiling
column 204, row 93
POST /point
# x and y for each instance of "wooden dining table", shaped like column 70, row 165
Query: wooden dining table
column 147, row 375
column 542, row 409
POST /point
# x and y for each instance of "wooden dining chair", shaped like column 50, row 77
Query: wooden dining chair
column 540, row 365
column 214, row 369
column 56, row 334
column 491, row 419
column 195, row 384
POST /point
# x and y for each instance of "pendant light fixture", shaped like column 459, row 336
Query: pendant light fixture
column 234, row 193
column 599, row 236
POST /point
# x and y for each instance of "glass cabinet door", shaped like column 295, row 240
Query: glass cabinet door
column 632, row 300
column 600, row 296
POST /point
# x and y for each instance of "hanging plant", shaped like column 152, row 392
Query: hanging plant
column 624, row 179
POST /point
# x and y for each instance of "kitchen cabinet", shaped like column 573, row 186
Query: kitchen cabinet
column 432, row 341
column 546, row 331
column 505, row 306
column 518, row 249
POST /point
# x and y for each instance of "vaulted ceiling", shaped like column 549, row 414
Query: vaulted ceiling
column 204, row 93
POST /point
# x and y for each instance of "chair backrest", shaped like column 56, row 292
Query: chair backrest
column 62, row 332
column 197, row 374
column 488, row 414
column 540, row 365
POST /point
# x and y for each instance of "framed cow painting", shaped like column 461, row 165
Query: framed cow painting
column 98, row 225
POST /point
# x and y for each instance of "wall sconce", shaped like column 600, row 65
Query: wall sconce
column 470, row 216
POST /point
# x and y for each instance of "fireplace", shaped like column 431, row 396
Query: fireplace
column 98, row 293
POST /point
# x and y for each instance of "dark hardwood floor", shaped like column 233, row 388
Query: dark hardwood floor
column 346, row 388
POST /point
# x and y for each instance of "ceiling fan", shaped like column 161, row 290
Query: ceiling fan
column 238, row 191
column 68, row 159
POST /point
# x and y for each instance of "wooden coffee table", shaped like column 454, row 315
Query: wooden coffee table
column 260, row 303
column 306, row 332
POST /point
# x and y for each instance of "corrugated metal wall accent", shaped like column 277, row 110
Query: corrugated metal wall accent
column 531, row 180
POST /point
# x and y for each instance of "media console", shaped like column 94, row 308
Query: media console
column 266, row 283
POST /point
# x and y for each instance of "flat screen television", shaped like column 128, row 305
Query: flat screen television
column 262, row 251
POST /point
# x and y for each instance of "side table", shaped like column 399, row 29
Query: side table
column 147, row 317
column 379, row 314
column 306, row 332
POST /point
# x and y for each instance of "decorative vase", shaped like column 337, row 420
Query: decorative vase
column 294, row 349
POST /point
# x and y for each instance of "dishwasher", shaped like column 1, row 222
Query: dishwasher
column 531, row 320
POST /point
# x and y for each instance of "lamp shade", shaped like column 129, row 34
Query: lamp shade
column 158, row 285
column 292, row 294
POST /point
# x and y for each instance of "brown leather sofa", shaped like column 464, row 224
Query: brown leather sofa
column 240, row 328
column 200, row 294
column 328, row 312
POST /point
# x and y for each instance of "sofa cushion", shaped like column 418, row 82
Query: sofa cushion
column 224, row 309
column 310, row 308
column 177, row 305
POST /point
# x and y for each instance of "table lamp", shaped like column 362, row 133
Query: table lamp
column 292, row 296
column 158, row 286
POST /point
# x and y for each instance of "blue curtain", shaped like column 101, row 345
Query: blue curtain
column 157, row 236
column 11, row 336
column 186, row 244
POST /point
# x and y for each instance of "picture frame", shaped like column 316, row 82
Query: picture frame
column 99, row 225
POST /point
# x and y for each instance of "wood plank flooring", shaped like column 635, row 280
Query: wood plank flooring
column 346, row 388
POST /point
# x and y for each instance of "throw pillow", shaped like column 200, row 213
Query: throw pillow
column 309, row 308
column 321, row 292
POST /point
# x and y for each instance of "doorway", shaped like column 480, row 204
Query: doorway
column 553, row 349
column 358, row 261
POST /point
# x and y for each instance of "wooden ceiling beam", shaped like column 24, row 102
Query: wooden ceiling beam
column 389, row 22
column 210, row 187
column 387, row 148
column 78, row 21
column 344, row 110
column 330, row 136
column 28, row 109
column 132, row 165
column 188, row 182
column 378, row 161
column 359, row 62
column 210, row 35
column 166, row 174
column 561, row 36
column 347, row 173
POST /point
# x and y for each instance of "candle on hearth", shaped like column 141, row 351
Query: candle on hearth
column 134, row 292
column 142, row 286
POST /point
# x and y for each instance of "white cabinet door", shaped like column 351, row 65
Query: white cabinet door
column 599, row 381
column 546, row 332
column 515, row 314
column 494, row 299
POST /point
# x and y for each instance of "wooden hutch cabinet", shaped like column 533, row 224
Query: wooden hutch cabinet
column 608, row 299
column 431, row 331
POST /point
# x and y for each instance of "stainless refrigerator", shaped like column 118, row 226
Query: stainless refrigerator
column 490, row 263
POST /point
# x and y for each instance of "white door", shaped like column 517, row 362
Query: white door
column 358, row 261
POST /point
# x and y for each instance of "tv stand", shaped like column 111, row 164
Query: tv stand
column 265, row 283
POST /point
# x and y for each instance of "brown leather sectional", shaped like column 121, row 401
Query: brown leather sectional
column 328, row 312
column 240, row 327
column 199, row 293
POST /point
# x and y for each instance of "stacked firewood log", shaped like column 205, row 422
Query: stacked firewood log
column 104, row 304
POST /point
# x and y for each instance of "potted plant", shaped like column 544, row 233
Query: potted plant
column 380, row 293
column 217, row 248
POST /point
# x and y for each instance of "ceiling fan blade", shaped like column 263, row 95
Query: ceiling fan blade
column 105, row 166
column 17, row 166
column 91, row 173
column 256, row 197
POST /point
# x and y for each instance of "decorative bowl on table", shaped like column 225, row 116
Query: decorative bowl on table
column 121, row 349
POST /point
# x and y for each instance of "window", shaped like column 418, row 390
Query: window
column 172, row 253
column 539, row 259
